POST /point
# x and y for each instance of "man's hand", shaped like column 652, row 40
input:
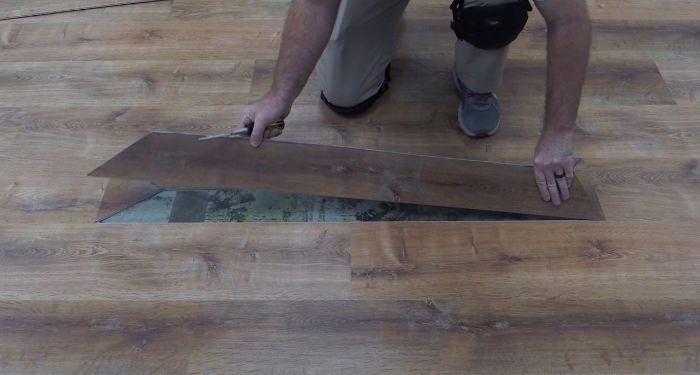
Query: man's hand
column 568, row 48
column 306, row 32
column 554, row 166
column 263, row 113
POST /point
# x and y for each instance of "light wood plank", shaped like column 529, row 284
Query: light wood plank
column 585, row 297
column 121, row 84
column 338, row 337
column 565, row 262
column 26, row 8
column 152, row 262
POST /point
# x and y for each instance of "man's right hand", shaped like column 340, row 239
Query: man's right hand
column 263, row 113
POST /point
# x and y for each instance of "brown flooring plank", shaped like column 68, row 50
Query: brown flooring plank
column 504, row 264
column 26, row 8
column 338, row 337
column 164, row 262
column 45, row 198
column 182, row 161
column 426, row 297
column 117, row 83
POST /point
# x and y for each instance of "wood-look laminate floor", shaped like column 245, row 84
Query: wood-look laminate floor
column 618, row 296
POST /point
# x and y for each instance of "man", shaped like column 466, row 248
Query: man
column 353, row 42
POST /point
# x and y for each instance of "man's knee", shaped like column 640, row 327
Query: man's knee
column 350, row 98
column 343, row 95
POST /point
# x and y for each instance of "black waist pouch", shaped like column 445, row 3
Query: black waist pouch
column 490, row 26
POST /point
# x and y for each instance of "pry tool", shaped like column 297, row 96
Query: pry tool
column 247, row 130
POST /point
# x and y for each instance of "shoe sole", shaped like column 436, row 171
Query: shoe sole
column 455, row 80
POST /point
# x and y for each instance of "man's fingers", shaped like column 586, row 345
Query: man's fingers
column 259, row 129
column 552, row 188
column 569, row 171
column 542, row 184
column 563, row 185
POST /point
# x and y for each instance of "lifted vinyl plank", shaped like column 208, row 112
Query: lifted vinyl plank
column 181, row 160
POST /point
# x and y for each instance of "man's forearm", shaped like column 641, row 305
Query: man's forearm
column 306, row 32
column 568, row 49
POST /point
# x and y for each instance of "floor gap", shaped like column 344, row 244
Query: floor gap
column 241, row 205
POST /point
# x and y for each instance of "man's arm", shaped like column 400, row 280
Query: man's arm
column 568, row 48
column 307, row 30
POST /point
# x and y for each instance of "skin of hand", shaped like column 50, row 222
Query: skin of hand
column 262, row 113
column 306, row 32
column 568, row 50
column 554, row 156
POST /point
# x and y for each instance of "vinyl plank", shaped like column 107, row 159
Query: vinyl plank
column 26, row 8
column 508, row 263
column 339, row 337
column 152, row 262
column 181, row 160
column 139, row 40
column 119, row 84
column 647, row 189
column 46, row 198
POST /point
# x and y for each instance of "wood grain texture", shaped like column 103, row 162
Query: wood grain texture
column 181, row 160
column 166, row 262
column 441, row 297
column 26, row 8
column 338, row 337
column 507, row 264
column 119, row 84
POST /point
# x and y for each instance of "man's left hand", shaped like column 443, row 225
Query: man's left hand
column 554, row 166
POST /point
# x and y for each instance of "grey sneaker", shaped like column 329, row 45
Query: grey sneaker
column 479, row 115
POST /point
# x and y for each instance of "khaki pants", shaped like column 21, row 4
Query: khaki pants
column 363, row 43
